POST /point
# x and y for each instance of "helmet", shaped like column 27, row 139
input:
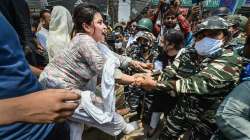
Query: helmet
column 221, row 11
column 212, row 23
column 145, row 23
column 238, row 20
column 147, row 35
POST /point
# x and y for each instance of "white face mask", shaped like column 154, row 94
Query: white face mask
column 208, row 46
column 118, row 45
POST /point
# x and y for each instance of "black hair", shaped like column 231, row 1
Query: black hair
column 83, row 13
column 42, row 12
column 170, row 12
column 34, row 20
column 34, row 23
column 176, row 37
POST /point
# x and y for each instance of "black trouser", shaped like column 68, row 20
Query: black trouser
column 140, row 101
column 163, row 102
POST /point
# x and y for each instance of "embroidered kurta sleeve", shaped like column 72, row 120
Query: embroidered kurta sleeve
column 91, row 54
column 124, row 60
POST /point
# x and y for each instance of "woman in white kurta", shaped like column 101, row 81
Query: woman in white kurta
column 79, row 66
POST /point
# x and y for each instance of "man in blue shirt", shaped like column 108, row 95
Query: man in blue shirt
column 17, row 80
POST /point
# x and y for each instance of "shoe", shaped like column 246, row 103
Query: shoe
column 132, row 126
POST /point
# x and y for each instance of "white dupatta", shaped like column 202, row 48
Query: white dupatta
column 60, row 27
column 108, row 80
column 104, row 110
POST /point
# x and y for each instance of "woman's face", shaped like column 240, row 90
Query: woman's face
column 97, row 28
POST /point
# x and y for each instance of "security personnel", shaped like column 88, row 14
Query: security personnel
column 237, row 25
column 144, row 50
column 200, row 76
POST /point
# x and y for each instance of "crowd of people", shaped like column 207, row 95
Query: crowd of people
column 183, row 73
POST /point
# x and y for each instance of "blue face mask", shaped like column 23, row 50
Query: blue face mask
column 207, row 46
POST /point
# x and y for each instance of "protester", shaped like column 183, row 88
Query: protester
column 18, row 105
column 79, row 66
column 60, row 28
column 172, row 19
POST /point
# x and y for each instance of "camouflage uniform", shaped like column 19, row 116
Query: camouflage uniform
column 200, row 83
column 201, row 86
column 237, row 43
column 238, row 39
column 136, row 52
column 134, row 94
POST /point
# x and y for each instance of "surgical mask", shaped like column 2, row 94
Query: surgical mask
column 118, row 45
column 207, row 46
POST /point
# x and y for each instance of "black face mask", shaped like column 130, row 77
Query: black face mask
column 144, row 47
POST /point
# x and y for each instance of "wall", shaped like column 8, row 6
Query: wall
column 124, row 10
